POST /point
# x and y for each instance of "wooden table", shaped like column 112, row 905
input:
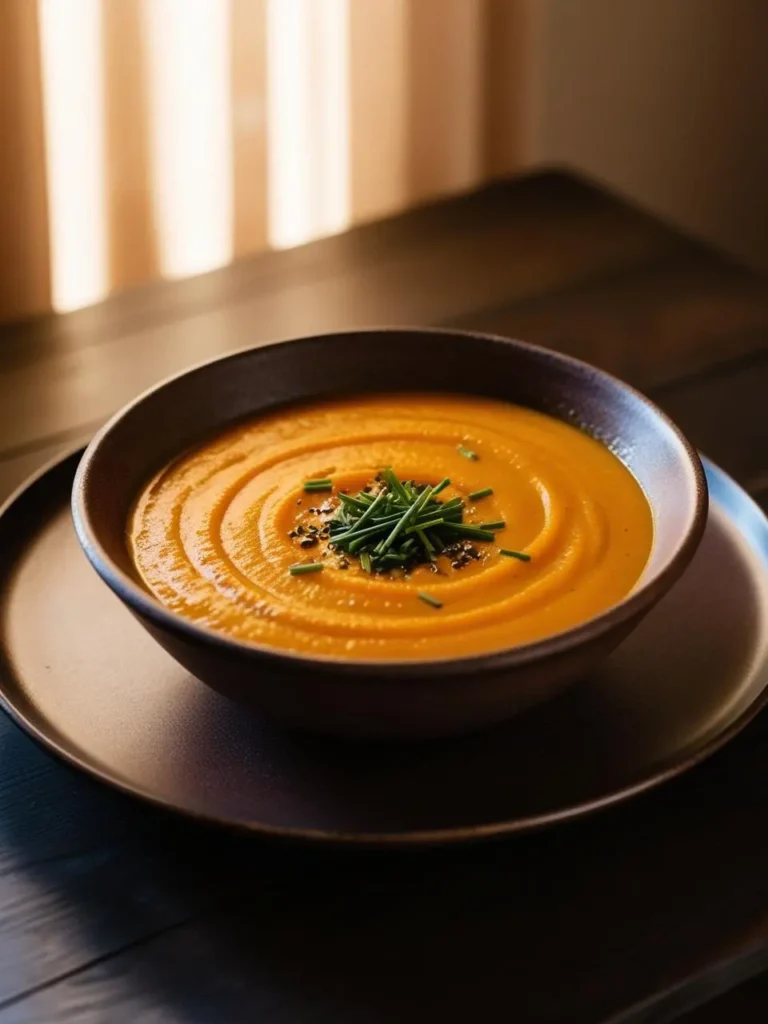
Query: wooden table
column 111, row 912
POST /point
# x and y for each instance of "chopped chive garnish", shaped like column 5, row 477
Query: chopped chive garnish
column 477, row 495
column 428, row 599
column 430, row 538
column 429, row 547
column 324, row 484
column 521, row 555
column 467, row 453
column 353, row 503
column 302, row 570
column 467, row 530
column 401, row 524
column 368, row 514
column 425, row 526
column 498, row 524
column 408, row 515
column 390, row 559
column 395, row 485
column 357, row 544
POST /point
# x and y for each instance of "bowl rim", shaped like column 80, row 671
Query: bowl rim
column 144, row 604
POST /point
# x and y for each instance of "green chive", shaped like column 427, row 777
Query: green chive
column 378, row 526
column 425, row 526
column 477, row 495
column 368, row 514
column 361, row 542
column 428, row 546
column 467, row 453
column 521, row 555
column 436, row 543
column 402, row 524
column 396, row 486
column 451, row 515
column 470, row 531
column 428, row 599
column 318, row 480
column 390, row 559
column 499, row 524
column 302, row 570
column 408, row 515
column 353, row 503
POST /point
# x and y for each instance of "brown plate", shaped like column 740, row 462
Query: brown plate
column 85, row 679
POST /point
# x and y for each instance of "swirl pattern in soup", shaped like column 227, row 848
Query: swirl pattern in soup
column 214, row 534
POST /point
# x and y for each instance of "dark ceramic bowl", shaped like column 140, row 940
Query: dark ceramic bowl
column 397, row 698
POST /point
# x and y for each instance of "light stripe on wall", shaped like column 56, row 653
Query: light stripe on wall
column 307, row 119
column 190, row 126
column 73, row 102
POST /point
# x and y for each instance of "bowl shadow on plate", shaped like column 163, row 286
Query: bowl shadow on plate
column 663, row 690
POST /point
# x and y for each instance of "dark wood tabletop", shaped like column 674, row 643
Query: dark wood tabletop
column 113, row 912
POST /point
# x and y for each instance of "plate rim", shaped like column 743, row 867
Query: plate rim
column 71, row 758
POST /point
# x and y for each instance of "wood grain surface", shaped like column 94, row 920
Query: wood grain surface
column 112, row 912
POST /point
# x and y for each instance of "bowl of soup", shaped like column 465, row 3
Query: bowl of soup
column 395, row 533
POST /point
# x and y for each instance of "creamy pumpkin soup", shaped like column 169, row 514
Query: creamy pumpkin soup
column 393, row 526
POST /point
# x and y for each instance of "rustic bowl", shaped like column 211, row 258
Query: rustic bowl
column 394, row 698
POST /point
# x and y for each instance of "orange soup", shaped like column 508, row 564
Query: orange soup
column 538, row 529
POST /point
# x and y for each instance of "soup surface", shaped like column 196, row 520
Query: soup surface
column 215, row 534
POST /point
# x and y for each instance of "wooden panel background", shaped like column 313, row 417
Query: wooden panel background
column 435, row 95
